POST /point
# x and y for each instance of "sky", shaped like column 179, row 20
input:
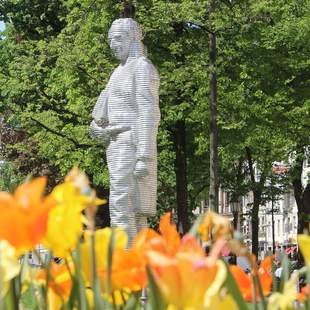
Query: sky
column 1, row 26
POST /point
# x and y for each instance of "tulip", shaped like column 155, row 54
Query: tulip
column 304, row 245
column 215, row 227
column 24, row 215
column 128, row 270
column 168, row 241
column 59, row 284
column 284, row 300
column 187, row 280
column 65, row 222
column 245, row 281
column 9, row 266
column 102, row 241
column 303, row 294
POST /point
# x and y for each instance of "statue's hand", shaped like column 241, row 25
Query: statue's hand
column 98, row 132
column 106, row 133
column 141, row 169
column 114, row 130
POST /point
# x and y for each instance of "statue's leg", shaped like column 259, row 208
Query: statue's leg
column 121, row 161
column 141, row 222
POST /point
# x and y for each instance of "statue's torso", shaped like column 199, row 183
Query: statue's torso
column 122, row 106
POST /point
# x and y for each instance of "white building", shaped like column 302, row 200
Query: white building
column 283, row 223
column 284, row 220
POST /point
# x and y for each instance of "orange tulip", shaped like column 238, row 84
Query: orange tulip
column 245, row 282
column 128, row 271
column 182, row 271
column 169, row 234
column 129, row 266
column 303, row 294
column 59, row 284
column 59, row 279
column 24, row 215
column 148, row 239
column 167, row 242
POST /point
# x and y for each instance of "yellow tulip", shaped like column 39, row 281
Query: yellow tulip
column 219, row 303
column 227, row 302
column 65, row 222
column 9, row 266
column 102, row 241
column 284, row 300
column 304, row 245
column 187, row 280
column 216, row 226
column 54, row 301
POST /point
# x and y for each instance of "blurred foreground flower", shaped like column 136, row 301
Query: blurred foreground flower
column 186, row 278
column 24, row 215
column 245, row 281
column 59, row 284
column 128, row 270
column 214, row 226
column 65, row 222
column 284, row 300
column 304, row 245
column 167, row 242
column 303, row 294
column 9, row 266
column 102, row 242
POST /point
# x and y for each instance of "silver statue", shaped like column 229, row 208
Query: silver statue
column 126, row 117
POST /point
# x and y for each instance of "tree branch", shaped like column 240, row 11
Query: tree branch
column 76, row 143
column 89, row 75
column 53, row 105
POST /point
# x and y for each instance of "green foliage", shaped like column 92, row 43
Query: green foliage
column 8, row 179
column 55, row 60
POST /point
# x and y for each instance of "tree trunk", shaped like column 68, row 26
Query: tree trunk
column 181, row 176
column 299, row 194
column 214, row 162
column 255, row 223
column 257, row 189
column 297, row 187
column 303, row 206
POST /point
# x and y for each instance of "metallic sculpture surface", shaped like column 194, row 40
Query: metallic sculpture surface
column 126, row 117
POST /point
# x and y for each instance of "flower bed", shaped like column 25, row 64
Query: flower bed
column 98, row 271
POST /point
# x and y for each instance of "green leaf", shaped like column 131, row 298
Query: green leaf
column 109, row 262
column 133, row 302
column 285, row 275
column 81, row 289
column 155, row 300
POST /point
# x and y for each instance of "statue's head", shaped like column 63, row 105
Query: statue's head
column 125, row 37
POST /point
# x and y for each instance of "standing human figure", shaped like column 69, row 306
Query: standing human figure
column 126, row 116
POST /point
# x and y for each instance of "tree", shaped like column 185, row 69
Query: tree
column 54, row 80
column 51, row 76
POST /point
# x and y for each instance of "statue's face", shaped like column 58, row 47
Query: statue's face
column 119, row 42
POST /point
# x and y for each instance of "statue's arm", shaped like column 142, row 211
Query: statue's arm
column 147, row 98
column 100, row 128
column 97, row 128
column 100, row 111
